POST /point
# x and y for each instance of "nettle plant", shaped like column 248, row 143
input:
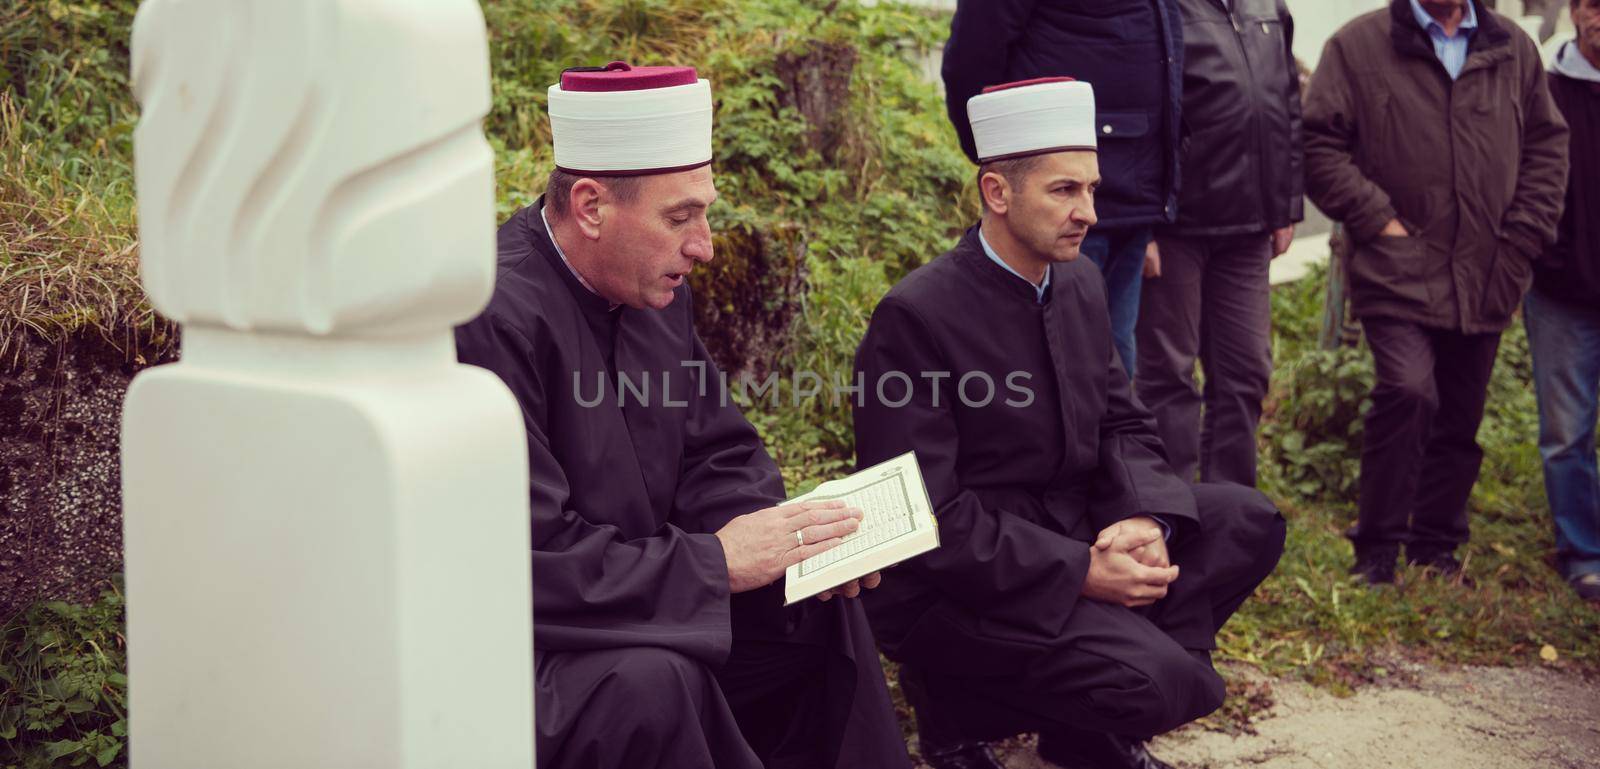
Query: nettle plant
column 64, row 696
column 1311, row 429
column 1312, row 434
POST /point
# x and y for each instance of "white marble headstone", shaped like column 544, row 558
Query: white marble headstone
column 326, row 517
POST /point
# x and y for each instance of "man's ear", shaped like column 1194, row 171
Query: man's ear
column 587, row 207
column 996, row 192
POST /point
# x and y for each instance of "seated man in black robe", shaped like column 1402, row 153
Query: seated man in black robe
column 660, row 636
column 1079, row 583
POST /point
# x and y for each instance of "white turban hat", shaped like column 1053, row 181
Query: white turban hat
column 1032, row 117
column 620, row 120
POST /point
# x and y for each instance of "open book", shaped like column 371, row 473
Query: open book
column 897, row 524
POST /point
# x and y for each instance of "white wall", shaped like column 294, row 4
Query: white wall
column 1316, row 20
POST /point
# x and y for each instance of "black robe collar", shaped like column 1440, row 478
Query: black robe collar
column 969, row 253
column 544, row 242
column 598, row 312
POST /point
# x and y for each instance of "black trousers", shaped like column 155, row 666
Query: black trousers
column 1420, row 453
column 634, row 706
column 1211, row 304
column 1114, row 669
column 777, row 691
column 786, row 697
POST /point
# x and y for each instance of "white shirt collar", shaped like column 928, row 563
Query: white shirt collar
column 563, row 255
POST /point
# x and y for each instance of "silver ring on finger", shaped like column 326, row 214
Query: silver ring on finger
column 800, row 537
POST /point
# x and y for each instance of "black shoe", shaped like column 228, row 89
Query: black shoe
column 1097, row 750
column 971, row 755
column 1375, row 564
column 1587, row 586
column 1439, row 563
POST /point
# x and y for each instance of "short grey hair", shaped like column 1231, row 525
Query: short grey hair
column 558, row 190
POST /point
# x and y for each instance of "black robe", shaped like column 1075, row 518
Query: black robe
column 1021, row 485
column 639, row 647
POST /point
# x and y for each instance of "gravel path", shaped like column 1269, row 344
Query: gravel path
column 1457, row 718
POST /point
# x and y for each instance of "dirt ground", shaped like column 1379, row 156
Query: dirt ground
column 1459, row 718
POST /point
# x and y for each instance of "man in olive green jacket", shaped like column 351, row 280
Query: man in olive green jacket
column 1431, row 134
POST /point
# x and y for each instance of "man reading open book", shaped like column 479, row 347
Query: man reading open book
column 1079, row 583
column 660, row 634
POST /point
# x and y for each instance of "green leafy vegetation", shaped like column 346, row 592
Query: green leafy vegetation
column 64, row 696
column 1311, row 432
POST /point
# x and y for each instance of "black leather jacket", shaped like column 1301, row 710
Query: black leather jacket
column 1240, row 148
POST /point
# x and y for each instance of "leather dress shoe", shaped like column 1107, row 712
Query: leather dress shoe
column 1375, row 565
column 1441, row 564
column 970, row 755
column 1096, row 750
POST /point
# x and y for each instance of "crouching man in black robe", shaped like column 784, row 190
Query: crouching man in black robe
column 660, row 636
column 1079, row 583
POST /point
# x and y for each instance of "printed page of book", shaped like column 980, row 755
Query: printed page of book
column 897, row 524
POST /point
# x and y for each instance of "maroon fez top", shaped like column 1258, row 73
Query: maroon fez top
column 620, row 76
column 1030, row 81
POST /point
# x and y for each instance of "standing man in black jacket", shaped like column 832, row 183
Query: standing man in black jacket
column 1562, row 313
column 1131, row 51
column 1205, row 290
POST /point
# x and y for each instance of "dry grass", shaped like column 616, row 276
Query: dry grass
column 68, row 248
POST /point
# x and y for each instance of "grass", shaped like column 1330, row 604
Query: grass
column 68, row 246
column 1312, row 620
column 68, row 251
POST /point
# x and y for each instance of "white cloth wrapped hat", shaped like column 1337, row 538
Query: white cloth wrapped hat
column 620, row 120
column 1032, row 117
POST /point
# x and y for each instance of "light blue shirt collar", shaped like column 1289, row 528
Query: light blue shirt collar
column 1426, row 21
column 1450, row 50
column 1039, row 289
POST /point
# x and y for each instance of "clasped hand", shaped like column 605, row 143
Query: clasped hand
column 1128, row 564
column 761, row 545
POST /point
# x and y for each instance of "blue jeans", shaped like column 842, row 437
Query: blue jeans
column 1565, row 341
column 1120, row 256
